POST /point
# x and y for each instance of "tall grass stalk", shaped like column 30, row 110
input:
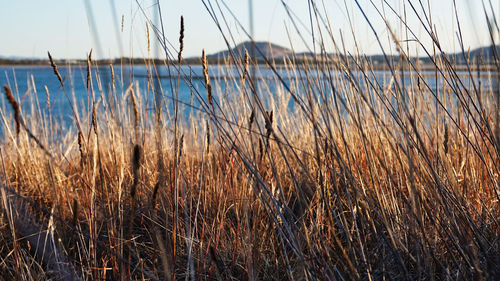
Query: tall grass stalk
column 322, row 171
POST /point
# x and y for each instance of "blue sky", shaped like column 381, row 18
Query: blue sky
column 30, row 28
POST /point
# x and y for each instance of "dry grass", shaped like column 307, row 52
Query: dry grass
column 358, row 180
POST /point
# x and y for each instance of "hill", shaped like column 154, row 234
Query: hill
column 274, row 51
column 262, row 50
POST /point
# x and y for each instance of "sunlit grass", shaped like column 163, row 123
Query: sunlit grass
column 358, row 179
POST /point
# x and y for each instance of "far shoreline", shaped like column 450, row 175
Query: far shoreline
column 374, row 65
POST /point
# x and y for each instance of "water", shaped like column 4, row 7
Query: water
column 29, row 85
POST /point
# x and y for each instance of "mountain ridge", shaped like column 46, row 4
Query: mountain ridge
column 265, row 49
column 271, row 51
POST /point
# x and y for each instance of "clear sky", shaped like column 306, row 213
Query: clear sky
column 30, row 28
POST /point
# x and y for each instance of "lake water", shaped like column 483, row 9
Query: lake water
column 29, row 84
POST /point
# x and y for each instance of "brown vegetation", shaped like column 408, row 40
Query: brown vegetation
column 359, row 180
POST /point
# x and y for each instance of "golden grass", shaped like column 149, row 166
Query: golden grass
column 341, row 186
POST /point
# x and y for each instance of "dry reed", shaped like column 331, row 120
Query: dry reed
column 54, row 68
column 354, row 182
column 15, row 108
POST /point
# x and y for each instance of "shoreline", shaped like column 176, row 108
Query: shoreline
column 423, row 67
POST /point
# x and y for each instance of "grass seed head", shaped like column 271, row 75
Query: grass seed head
column 48, row 96
column 15, row 107
column 112, row 77
column 251, row 119
column 89, row 62
column 181, row 40
column 81, row 149
column 136, row 108
column 54, row 68
column 136, row 164
column 245, row 65
column 204, row 63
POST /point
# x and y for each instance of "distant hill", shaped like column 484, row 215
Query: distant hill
column 266, row 49
column 274, row 51
column 483, row 55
